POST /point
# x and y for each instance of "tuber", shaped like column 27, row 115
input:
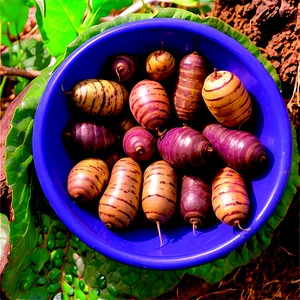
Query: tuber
column 240, row 150
column 184, row 147
column 120, row 201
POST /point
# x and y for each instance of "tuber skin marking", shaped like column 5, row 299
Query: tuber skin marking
column 195, row 199
column 88, row 179
column 240, row 150
column 230, row 200
column 187, row 98
column 184, row 148
column 150, row 104
column 123, row 67
column 100, row 97
column 160, row 64
column 139, row 143
column 90, row 138
column 227, row 99
column 159, row 193
column 120, row 201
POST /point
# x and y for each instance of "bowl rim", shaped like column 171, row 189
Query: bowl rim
column 170, row 262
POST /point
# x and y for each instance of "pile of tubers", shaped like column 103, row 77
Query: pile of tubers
column 161, row 133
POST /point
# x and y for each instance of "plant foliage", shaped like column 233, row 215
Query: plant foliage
column 63, row 21
column 13, row 18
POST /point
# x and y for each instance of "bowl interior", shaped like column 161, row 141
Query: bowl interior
column 140, row 246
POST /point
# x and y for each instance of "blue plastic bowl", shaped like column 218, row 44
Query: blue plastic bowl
column 140, row 246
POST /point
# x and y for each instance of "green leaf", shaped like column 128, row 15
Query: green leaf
column 4, row 241
column 18, row 158
column 34, row 55
column 63, row 21
column 21, row 83
column 102, row 8
column 61, row 263
column 37, row 293
column 29, row 54
column 85, row 36
column 60, row 24
column 41, row 5
column 4, row 230
column 188, row 3
column 13, row 16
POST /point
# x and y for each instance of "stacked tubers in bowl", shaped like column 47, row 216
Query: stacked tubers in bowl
column 160, row 156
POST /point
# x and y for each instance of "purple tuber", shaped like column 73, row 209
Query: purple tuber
column 184, row 147
column 240, row 150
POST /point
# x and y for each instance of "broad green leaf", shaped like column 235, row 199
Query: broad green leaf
column 4, row 232
column 61, row 263
column 13, row 15
column 18, row 158
column 60, row 24
column 85, row 36
column 63, row 21
column 4, row 241
column 41, row 5
column 102, row 8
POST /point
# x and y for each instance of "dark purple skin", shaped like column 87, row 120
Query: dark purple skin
column 240, row 150
column 139, row 143
column 123, row 67
column 195, row 199
column 184, row 148
column 91, row 138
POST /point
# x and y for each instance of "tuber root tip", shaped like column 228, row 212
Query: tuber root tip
column 66, row 93
column 185, row 125
column 194, row 222
column 161, row 133
column 237, row 223
column 215, row 75
column 262, row 159
column 139, row 150
column 208, row 151
column 67, row 134
column 69, row 93
column 108, row 225
column 77, row 197
column 159, row 233
column 194, row 229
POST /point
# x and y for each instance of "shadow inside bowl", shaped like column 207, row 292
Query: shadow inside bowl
column 256, row 120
